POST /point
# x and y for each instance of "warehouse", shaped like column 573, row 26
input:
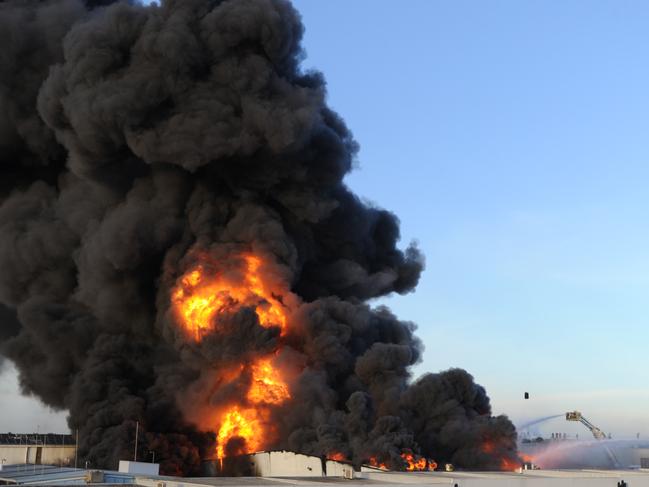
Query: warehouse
column 48, row 475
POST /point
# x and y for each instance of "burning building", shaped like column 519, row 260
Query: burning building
column 178, row 247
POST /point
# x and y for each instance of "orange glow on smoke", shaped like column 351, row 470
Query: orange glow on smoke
column 488, row 447
column 202, row 293
column 506, row 464
column 526, row 458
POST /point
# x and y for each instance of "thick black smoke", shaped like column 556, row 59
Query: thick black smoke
column 135, row 140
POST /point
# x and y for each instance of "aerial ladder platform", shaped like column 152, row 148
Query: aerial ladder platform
column 597, row 433
column 577, row 416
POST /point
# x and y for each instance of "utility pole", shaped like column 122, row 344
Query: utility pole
column 137, row 430
column 76, row 450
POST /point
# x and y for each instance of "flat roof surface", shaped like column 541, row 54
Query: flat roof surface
column 53, row 475
column 253, row 481
column 29, row 474
column 419, row 478
column 26, row 474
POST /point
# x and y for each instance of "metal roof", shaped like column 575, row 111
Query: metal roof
column 30, row 474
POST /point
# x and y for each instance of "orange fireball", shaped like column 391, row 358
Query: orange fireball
column 204, row 292
column 267, row 386
column 198, row 297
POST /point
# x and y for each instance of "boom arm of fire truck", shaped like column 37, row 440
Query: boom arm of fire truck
column 577, row 416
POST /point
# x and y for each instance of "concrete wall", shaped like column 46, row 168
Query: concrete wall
column 38, row 454
column 286, row 464
column 339, row 469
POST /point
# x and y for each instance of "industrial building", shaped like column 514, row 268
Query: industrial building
column 38, row 454
column 285, row 469
column 279, row 464
column 42, row 475
column 48, row 449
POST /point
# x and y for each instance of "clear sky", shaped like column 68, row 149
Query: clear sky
column 511, row 140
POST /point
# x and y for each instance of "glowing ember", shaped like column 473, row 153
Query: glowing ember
column 202, row 293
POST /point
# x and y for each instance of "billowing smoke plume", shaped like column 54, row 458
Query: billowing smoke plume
column 138, row 143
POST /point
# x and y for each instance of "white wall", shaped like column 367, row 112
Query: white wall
column 286, row 464
column 339, row 469
column 49, row 454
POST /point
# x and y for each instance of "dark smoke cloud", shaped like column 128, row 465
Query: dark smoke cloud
column 135, row 141
column 9, row 326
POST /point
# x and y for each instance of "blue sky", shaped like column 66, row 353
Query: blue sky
column 511, row 140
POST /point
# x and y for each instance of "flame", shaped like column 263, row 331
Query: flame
column 337, row 456
column 243, row 424
column 272, row 314
column 267, row 388
column 198, row 297
column 202, row 293
column 506, row 463
column 373, row 461
column 417, row 463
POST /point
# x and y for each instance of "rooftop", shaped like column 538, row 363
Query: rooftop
column 57, row 476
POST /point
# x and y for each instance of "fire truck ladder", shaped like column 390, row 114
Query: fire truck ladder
column 597, row 433
column 576, row 416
